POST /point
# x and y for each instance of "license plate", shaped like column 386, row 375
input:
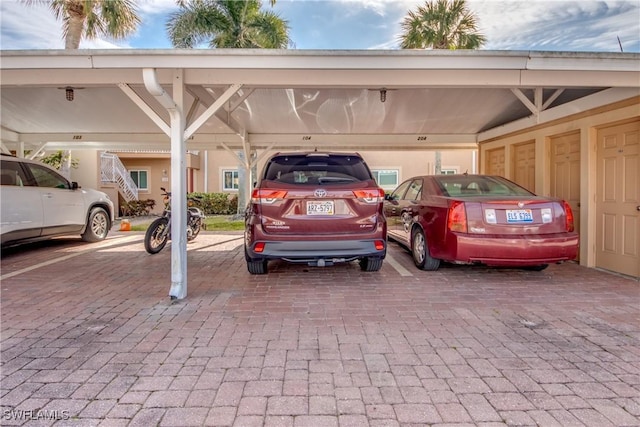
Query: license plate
column 320, row 208
column 519, row 215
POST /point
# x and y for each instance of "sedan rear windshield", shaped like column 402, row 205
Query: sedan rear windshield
column 317, row 169
column 476, row 185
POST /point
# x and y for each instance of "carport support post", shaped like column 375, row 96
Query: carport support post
column 178, row 176
column 178, row 187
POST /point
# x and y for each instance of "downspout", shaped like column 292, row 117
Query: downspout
column 178, row 185
column 206, row 171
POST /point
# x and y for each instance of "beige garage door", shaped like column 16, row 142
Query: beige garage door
column 495, row 162
column 565, row 171
column 524, row 165
column 618, row 199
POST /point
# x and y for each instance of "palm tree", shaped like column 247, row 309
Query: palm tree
column 227, row 24
column 441, row 24
column 92, row 18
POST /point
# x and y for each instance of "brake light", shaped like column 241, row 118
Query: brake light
column 259, row 247
column 457, row 217
column 370, row 196
column 261, row 195
column 379, row 245
column 568, row 213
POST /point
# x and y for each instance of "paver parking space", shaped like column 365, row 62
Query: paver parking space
column 90, row 337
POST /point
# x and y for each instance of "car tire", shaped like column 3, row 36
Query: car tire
column 420, row 252
column 98, row 225
column 256, row 266
column 370, row 264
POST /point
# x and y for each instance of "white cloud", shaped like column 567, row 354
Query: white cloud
column 156, row 7
column 39, row 31
column 556, row 25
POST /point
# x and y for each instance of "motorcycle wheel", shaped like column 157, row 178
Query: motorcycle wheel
column 195, row 224
column 157, row 235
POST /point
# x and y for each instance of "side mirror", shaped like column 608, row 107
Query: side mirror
column 74, row 185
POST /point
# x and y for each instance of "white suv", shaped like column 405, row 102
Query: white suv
column 37, row 202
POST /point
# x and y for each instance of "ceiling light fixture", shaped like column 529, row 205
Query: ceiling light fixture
column 70, row 92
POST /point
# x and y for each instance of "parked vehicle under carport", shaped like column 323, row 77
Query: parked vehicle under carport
column 479, row 219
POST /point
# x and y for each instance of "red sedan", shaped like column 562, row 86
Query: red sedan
column 479, row 219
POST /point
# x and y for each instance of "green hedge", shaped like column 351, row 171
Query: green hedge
column 210, row 203
column 215, row 203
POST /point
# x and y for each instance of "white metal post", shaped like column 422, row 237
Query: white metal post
column 178, row 194
column 178, row 177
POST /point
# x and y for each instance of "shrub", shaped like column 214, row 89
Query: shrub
column 215, row 203
column 137, row 207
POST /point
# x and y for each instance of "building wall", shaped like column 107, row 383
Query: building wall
column 88, row 163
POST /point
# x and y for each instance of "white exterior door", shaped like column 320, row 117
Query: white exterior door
column 618, row 199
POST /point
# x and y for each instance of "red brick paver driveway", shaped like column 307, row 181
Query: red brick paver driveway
column 90, row 338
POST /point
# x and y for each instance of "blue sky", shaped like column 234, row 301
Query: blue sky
column 553, row 25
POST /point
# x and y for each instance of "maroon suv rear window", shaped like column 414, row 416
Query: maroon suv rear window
column 317, row 169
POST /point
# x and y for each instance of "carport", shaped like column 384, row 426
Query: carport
column 255, row 101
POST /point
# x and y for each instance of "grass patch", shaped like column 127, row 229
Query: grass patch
column 222, row 223
column 139, row 227
column 211, row 223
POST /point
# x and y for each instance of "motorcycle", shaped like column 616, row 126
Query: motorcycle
column 159, row 232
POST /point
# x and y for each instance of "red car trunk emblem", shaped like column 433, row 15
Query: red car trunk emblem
column 320, row 192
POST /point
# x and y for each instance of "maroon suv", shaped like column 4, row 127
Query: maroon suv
column 317, row 209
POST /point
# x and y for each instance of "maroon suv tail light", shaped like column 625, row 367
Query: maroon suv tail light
column 268, row 196
column 370, row 196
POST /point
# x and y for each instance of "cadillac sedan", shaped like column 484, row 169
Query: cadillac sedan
column 479, row 219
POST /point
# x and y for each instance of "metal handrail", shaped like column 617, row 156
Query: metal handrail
column 113, row 171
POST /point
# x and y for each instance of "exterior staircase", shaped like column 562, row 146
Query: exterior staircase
column 113, row 171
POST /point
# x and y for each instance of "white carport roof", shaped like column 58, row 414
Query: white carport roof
column 257, row 99
column 291, row 99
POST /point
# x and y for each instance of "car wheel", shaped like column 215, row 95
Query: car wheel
column 420, row 252
column 98, row 226
column 370, row 264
